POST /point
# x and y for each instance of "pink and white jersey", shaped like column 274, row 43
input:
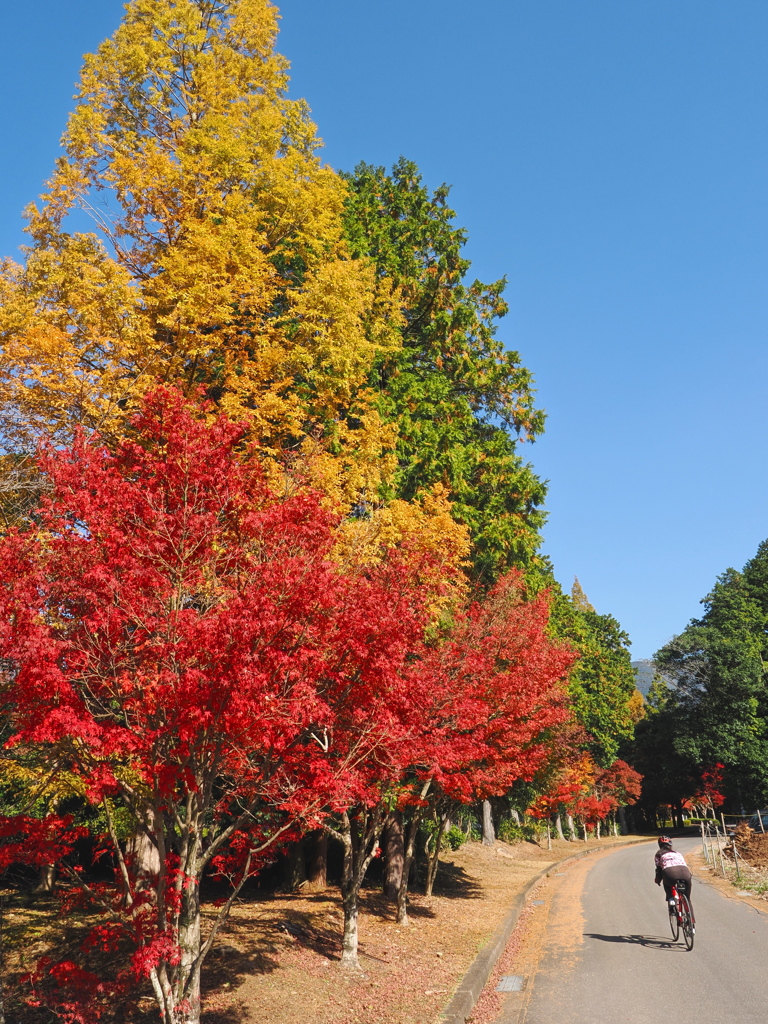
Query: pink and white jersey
column 669, row 859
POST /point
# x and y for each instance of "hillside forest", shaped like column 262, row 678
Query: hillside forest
column 272, row 601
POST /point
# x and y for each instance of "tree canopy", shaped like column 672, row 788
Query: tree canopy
column 216, row 256
column 458, row 397
column 719, row 703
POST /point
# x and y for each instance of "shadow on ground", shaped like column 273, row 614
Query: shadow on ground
column 653, row 941
column 453, row 882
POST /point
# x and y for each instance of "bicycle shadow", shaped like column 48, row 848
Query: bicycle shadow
column 652, row 941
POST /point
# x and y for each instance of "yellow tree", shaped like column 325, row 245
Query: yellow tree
column 216, row 259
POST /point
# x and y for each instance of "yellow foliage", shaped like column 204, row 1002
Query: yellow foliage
column 35, row 779
column 423, row 527
column 217, row 259
column 636, row 707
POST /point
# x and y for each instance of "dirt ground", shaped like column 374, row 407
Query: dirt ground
column 277, row 961
column 750, row 884
column 752, row 846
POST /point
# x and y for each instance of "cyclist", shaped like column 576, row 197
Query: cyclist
column 671, row 869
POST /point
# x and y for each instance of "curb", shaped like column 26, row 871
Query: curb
column 474, row 981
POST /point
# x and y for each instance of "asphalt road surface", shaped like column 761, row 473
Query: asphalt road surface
column 598, row 950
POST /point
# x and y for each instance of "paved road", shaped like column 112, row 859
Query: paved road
column 598, row 951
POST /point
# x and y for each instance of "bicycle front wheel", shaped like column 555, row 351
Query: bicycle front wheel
column 674, row 924
column 687, row 915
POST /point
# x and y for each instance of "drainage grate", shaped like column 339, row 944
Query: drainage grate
column 510, row 983
column 537, row 903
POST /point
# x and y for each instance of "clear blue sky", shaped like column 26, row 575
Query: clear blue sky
column 609, row 158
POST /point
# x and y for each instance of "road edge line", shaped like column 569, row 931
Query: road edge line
column 464, row 998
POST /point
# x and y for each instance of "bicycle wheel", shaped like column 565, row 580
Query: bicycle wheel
column 674, row 924
column 688, row 928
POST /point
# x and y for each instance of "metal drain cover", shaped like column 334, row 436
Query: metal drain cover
column 510, row 983
column 537, row 903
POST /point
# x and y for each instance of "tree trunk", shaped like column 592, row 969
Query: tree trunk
column 623, row 821
column 393, row 846
column 349, row 892
column 143, row 859
column 515, row 816
column 409, row 862
column 489, row 833
column 401, row 916
column 677, row 815
column 571, row 828
column 559, row 827
column 349, row 956
column 317, row 868
column 359, row 838
column 297, row 873
column 434, row 856
column 46, row 878
column 188, row 985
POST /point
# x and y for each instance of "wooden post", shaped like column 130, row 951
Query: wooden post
column 720, row 851
column 703, row 842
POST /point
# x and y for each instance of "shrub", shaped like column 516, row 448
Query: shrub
column 530, row 831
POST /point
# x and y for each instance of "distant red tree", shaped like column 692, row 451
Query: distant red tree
column 619, row 784
column 588, row 792
column 709, row 793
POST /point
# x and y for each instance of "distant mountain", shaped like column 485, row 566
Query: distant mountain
column 644, row 672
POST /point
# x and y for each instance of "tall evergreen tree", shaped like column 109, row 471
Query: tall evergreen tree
column 460, row 400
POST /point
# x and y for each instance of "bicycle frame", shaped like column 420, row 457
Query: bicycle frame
column 685, row 920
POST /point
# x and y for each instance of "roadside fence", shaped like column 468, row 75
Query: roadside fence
column 720, row 846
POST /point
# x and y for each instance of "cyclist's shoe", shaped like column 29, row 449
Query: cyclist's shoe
column 671, row 903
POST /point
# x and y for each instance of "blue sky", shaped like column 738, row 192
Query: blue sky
column 611, row 160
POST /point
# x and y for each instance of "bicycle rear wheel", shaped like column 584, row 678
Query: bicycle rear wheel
column 687, row 915
column 674, row 924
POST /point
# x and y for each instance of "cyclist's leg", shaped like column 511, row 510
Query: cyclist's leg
column 685, row 881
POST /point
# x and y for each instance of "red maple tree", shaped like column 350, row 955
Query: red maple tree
column 493, row 691
column 180, row 637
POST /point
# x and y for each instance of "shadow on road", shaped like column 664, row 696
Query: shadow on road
column 654, row 941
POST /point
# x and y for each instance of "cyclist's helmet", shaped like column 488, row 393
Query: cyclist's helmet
column 665, row 841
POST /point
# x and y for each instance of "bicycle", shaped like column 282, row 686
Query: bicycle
column 681, row 917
